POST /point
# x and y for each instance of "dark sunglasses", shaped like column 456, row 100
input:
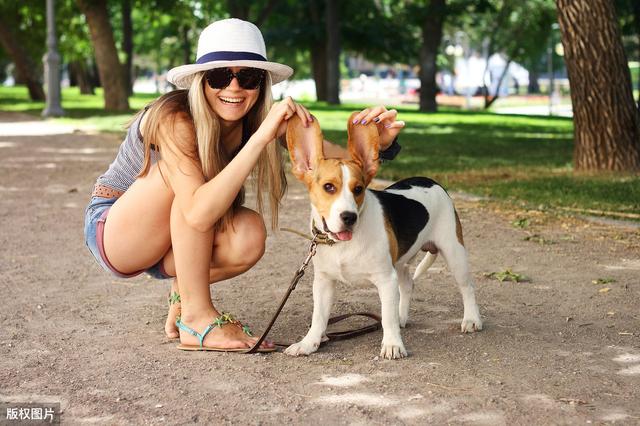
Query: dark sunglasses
column 248, row 78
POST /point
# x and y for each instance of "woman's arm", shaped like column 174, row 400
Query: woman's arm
column 204, row 203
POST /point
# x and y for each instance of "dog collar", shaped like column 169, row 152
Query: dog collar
column 322, row 237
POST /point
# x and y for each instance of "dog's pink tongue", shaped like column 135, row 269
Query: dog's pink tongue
column 344, row 235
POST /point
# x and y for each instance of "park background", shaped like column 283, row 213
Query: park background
column 483, row 84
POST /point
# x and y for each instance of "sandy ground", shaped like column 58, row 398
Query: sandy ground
column 556, row 350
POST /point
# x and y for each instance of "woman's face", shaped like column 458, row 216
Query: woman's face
column 233, row 102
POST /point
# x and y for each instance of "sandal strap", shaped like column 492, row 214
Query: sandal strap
column 174, row 297
column 225, row 318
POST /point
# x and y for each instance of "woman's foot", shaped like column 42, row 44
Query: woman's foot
column 225, row 335
column 170, row 328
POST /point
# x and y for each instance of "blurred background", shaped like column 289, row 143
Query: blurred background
column 476, row 54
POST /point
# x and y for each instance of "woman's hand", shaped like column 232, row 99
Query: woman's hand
column 388, row 127
column 275, row 124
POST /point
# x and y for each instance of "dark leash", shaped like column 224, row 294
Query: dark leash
column 318, row 238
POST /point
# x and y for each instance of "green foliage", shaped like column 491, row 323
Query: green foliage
column 508, row 275
column 523, row 159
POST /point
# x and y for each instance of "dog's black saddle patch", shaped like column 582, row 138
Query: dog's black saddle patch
column 406, row 216
column 423, row 182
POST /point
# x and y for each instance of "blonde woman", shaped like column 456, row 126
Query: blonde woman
column 171, row 202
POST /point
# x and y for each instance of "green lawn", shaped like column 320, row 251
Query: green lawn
column 514, row 158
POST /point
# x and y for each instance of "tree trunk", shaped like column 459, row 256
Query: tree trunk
column 239, row 9
column 636, row 19
column 20, row 58
column 186, row 45
column 80, row 73
column 319, row 69
column 109, row 67
column 431, row 37
column 333, row 52
column 488, row 100
column 127, row 45
column 318, row 51
column 606, row 120
column 534, row 86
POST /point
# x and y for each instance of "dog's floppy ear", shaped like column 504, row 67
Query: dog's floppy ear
column 305, row 146
column 364, row 144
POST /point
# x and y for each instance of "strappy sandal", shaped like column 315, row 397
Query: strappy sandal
column 173, row 299
column 219, row 322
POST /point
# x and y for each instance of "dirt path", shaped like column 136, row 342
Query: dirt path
column 558, row 349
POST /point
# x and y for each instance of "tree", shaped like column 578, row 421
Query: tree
column 23, row 45
column 431, row 30
column 606, row 121
column 109, row 67
column 333, row 52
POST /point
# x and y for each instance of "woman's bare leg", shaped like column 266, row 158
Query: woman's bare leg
column 235, row 251
column 143, row 226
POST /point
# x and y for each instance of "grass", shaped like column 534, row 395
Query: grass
column 521, row 159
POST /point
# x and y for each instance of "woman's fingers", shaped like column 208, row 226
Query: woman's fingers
column 374, row 115
column 386, row 117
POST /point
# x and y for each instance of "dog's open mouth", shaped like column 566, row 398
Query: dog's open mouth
column 337, row 236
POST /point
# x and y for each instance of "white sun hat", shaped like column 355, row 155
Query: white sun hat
column 229, row 43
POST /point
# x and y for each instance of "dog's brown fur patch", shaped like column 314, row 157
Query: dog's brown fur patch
column 458, row 228
column 393, row 241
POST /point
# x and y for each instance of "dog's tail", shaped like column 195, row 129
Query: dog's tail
column 424, row 264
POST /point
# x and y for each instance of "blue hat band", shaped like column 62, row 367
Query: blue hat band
column 230, row 56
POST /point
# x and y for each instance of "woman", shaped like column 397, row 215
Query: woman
column 173, row 196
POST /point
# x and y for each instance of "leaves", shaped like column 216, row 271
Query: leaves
column 522, row 222
column 603, row 281
column 508, row 275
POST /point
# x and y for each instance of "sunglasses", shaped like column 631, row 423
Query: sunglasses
column 248, row 78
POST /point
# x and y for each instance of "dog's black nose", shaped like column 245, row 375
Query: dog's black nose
column 348, row 218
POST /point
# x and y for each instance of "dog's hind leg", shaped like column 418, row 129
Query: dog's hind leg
column 456, row 257
column 405, row 283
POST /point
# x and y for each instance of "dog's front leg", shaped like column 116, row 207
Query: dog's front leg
column 392, row 346
column 323, row 289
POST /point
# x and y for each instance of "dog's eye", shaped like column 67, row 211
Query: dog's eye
column 358, row 190
column 329, row 188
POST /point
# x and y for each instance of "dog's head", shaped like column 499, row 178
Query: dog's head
column 336, row 186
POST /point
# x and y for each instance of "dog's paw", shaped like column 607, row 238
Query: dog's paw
column 469, row 325
column 393, row 351
column 302, row 348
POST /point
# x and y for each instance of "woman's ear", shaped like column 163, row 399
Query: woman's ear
column 305, row 146
column 364, row 145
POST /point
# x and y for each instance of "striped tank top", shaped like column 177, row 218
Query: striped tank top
column 124, row 170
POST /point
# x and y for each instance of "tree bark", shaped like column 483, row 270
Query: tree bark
column 127, row 45
column 318, row 52
column 319, row 69
column 333, row 52
column 489, row 100
column 109, row 67
column 606, row 119
column 534, row 86
column 239, row 9
column 20, row 58
column 431, row 37
column 82, row 78
column 636, row 20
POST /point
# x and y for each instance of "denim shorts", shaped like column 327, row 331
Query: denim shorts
column 94, row 218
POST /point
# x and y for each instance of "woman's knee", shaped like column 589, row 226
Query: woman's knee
column 248, row 236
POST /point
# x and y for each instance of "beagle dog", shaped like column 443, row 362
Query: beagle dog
column 376, row 233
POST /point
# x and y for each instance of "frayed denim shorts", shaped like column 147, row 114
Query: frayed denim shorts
column 95, row 217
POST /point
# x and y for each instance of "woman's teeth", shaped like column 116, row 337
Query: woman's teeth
column 231, row 100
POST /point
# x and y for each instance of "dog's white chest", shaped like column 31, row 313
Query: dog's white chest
column 350, row 262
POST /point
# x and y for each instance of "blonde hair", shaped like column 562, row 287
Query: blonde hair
column 268, row 173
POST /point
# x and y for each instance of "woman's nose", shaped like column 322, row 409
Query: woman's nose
column 233, row 84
